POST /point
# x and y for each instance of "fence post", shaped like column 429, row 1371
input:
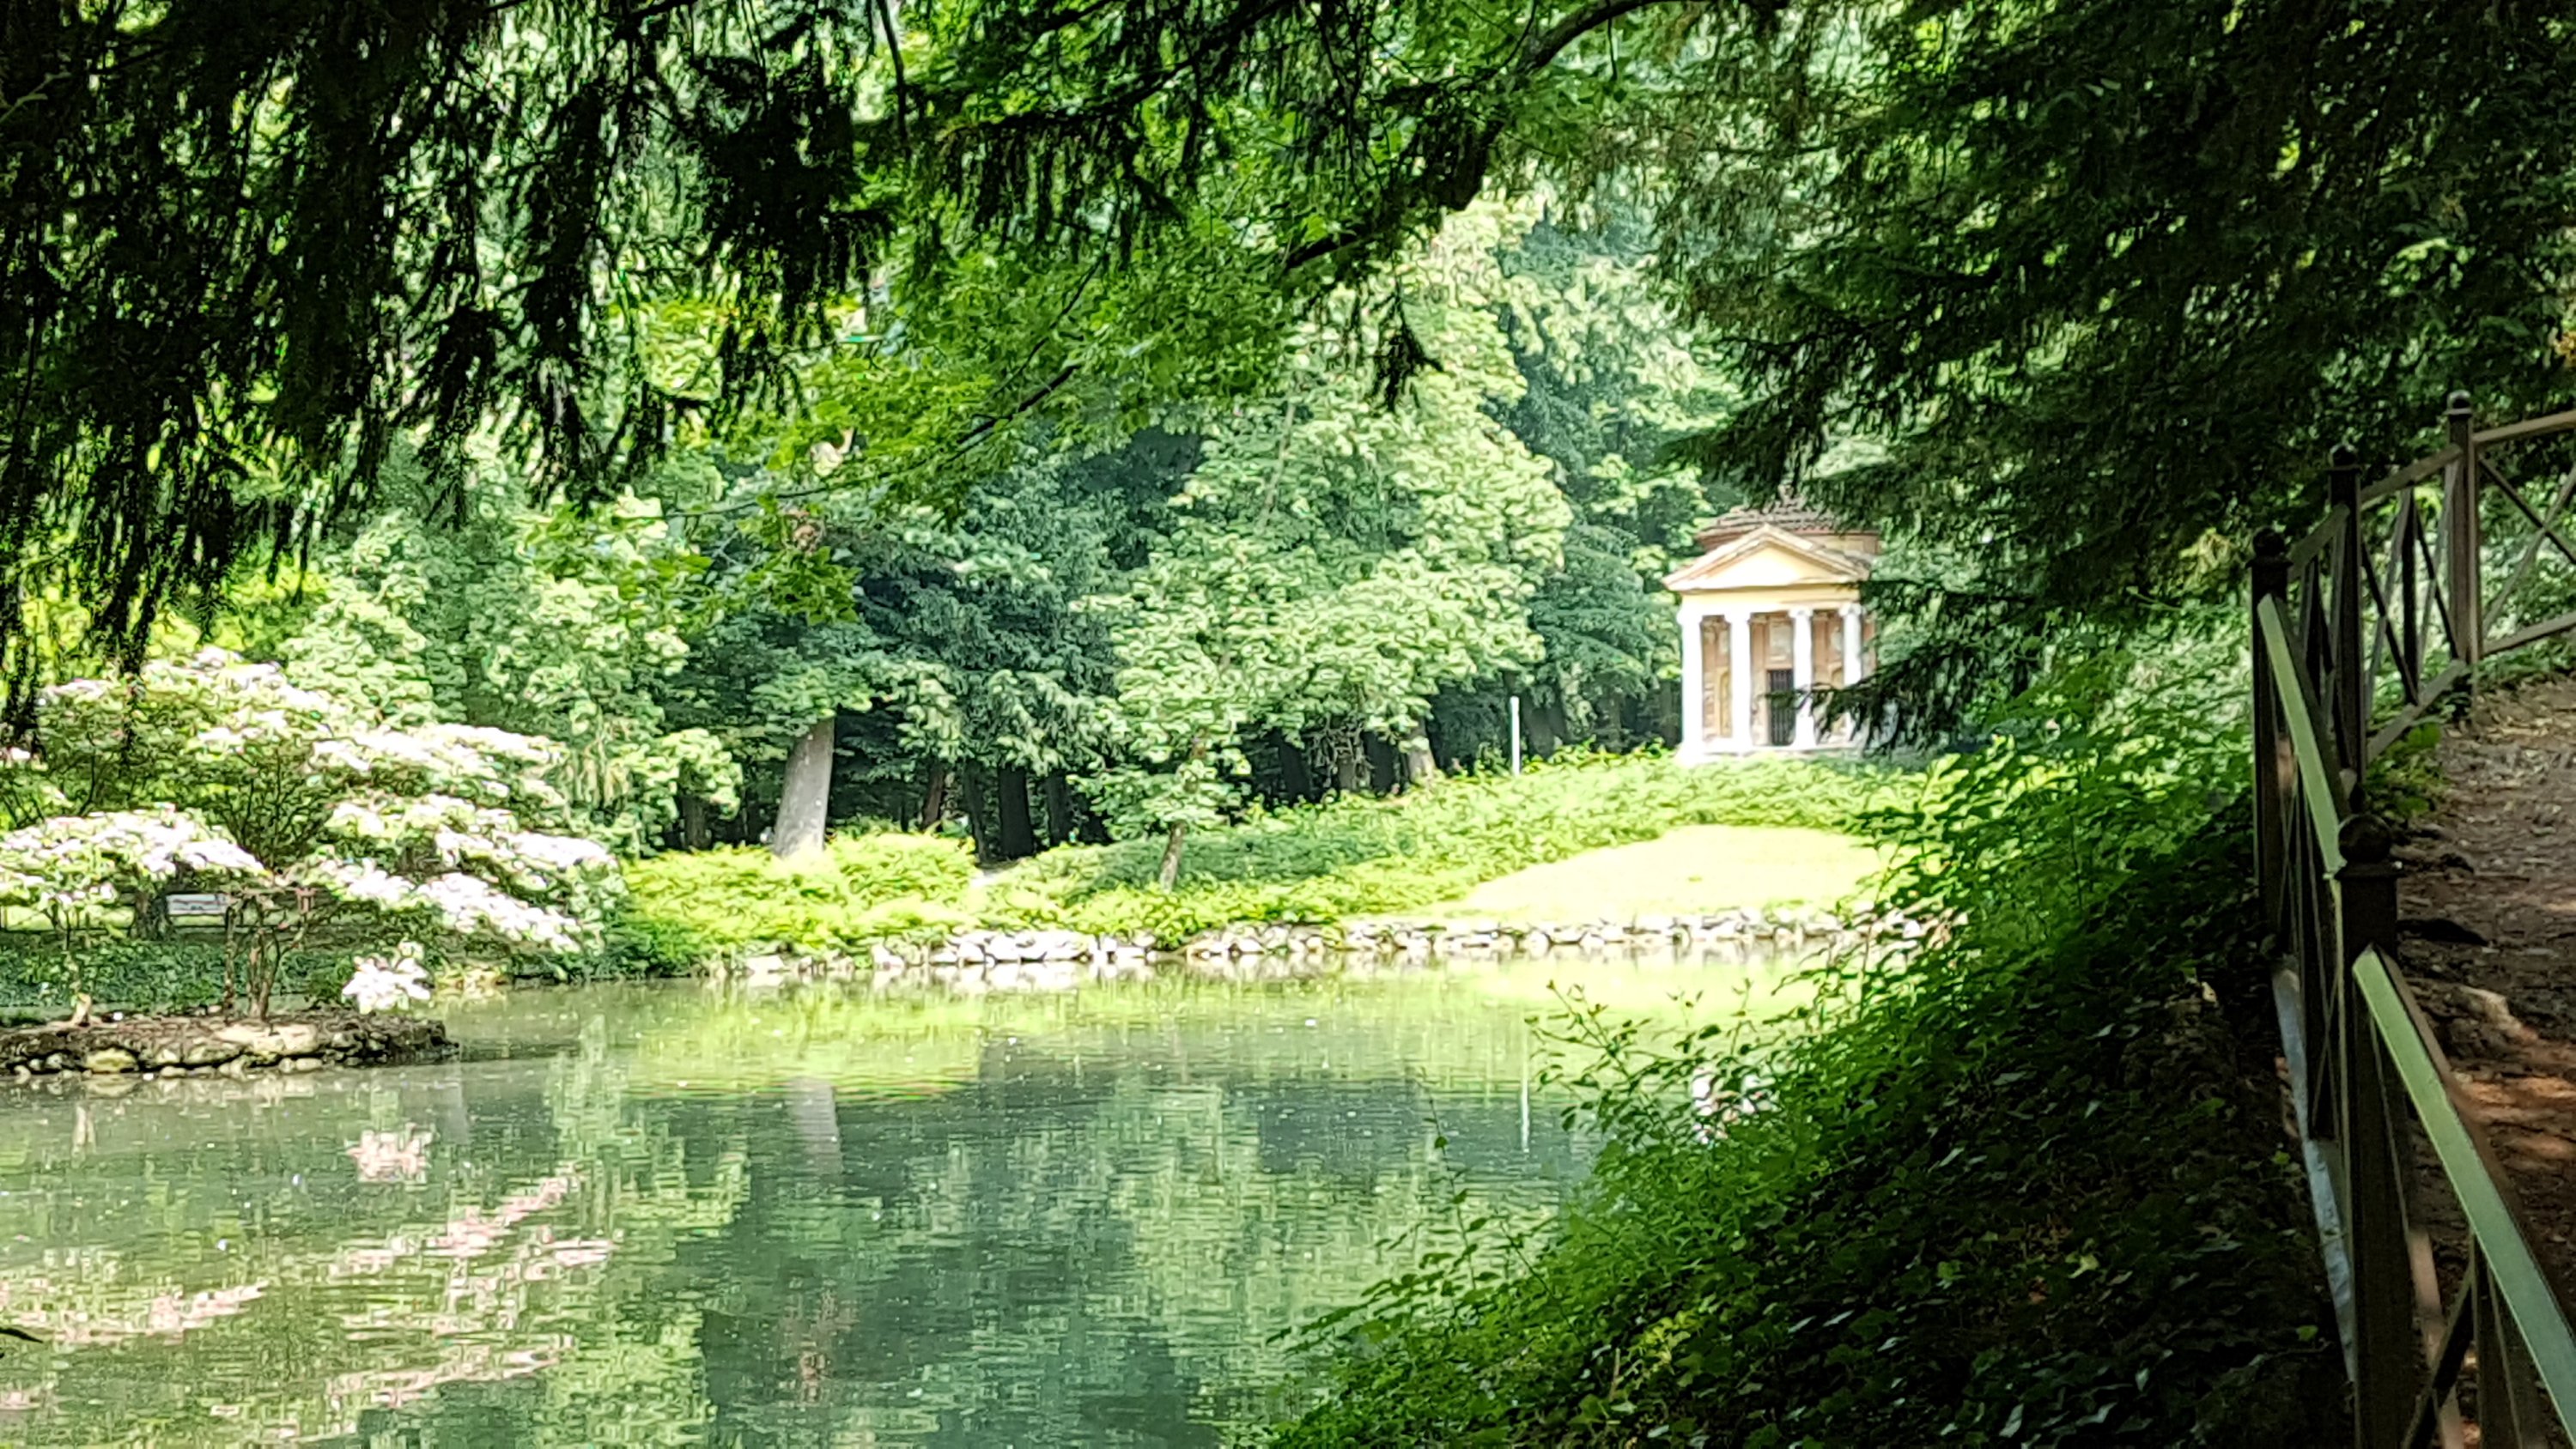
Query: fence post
column 2351, row 702
column 2388, row 1349
column 2271, row 581
column 2369, row 880
column 2468, row 542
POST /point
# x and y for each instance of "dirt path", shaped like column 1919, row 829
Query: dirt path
column 2489, row 906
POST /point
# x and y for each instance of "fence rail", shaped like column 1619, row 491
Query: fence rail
column 2359, row 629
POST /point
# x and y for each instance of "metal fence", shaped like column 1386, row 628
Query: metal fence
column 2360, row 628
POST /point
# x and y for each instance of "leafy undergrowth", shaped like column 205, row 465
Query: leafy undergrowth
column 181, row 975
column 2028, row 1189
column 689, row 907
column 1383, row 856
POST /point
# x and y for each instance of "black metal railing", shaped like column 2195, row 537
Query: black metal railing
column 2359, row 629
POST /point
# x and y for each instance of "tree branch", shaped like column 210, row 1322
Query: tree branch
column 1544, row 51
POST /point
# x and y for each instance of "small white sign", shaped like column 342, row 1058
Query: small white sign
column 194, row 905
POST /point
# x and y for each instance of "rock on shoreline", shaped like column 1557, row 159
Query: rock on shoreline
column 168, row 1046
column 1053, row 960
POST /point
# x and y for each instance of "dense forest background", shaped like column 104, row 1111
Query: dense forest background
column 1306, row 589
column 1080, row 419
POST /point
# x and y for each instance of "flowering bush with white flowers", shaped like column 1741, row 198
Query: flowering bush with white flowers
column 389, row 983
column 67, row 867
column 301, row 808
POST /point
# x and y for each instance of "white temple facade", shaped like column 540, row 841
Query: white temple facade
column 1770, row 613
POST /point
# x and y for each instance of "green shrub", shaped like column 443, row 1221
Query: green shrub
column 177, row 975
column 880, row 868
column 2025, row 1189
column 639, row 944
column 694, row 906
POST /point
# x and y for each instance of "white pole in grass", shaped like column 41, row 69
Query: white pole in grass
column 1516, row 734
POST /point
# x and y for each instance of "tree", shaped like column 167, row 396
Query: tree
column 768, row 683
column 319, row 225
column 1612, row 383
column 304, row 808
column 1336, row 561
column 990, row 608
column 2107, row 282
column 954, row 649
column 2101, row 279
column 466, row 604
column 327, row 228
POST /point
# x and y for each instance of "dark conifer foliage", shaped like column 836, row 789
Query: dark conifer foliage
column 2107, row 281
column 2098, row 281
column 244, row 244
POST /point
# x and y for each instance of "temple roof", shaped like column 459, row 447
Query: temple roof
column 1756, row 557
column 1789, row 513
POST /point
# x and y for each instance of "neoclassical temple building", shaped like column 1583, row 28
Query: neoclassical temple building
column 1771, row 611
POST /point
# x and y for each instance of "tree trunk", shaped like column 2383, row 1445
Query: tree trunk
column 1018, row 839
column 934, row 796
column 151, row 917
column 1383, row 762
column 805, row 800
column 1614, row 723
column 1296, row 776
column 970, row 792
column 1421, row 771
column 1059, row 808
column 1350, row 768
column 693, row 822
column 1169, row 876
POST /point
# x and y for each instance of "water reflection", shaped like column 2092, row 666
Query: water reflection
column 653, row 1216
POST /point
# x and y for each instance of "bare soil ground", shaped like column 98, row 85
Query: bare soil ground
column 2489, row 927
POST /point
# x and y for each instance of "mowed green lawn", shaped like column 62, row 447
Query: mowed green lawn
column 1698, row 868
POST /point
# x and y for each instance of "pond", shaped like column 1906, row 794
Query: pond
column 666, row 1214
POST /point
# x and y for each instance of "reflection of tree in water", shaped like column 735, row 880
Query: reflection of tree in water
column 317, row 1340
column 1073, row 1252
column 1086, row 1236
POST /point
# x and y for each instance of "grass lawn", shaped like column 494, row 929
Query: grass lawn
column 1696, row 868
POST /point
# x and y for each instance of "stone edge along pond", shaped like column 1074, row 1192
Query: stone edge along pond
column 1056, row 960
column 110, row 1051
column 170, row 1046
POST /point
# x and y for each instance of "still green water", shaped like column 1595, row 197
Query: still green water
column 660, row 1215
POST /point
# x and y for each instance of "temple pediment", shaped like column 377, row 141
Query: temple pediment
column 1768, row 558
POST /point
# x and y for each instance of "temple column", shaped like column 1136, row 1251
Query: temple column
column 1851, row 665
column 1802, row 674
column 1694, row 683
column 1739, row 650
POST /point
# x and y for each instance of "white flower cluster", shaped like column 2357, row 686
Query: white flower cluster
column 465, row 905
column 362, row 882
column 389, row 983
column 471, row 906
column 386, row 818
column 74, row 861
